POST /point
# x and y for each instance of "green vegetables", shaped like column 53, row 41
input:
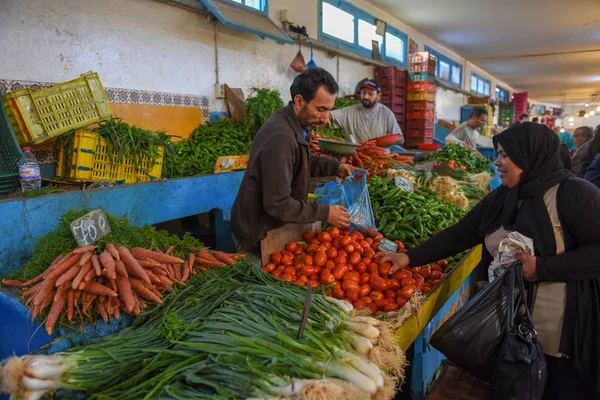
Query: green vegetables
column 410, row 217
column 473, row 162
column 340, row 102
column 198, row 154
column 260, row 105
column 331, row 132
column 472, row 192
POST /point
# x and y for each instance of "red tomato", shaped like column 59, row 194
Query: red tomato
column 389, row 294
column 359, row 304
column 287, row 253
column 303, row 280
column 332, row 253
column 390, row 307
column 384, row 269
column 290, row 270
column 360, row 267
column 308, row 260
column 380, row 303
column 289, row 277
column 325, row 237
column 407, row 291
column 400, row 301
column 277, row 273
column 334, row 232
column 379, row 235
column 357, row 247
column 270, row 267
column 366, row 299
column 436, row 268
column 281, row 268
column 379, row 284
column 444, row 275
column 311, row 249
column 330, row 264
column 339, row 271
column 418, row 277
column 345, row 241
column 399, row 275
column 436, row 275
column 315, row 241
column 320, row 258
column 365, row 290
column 342, row 253
column 352, row 294
column 315, row 284
column 309, row 270
column 287, row 261
column 375, row 295
column 425, row 289
column 442, row 263
column 308, row 236
column 347, row 284
column 349, row 248
column 322, row 248
column 373, row 267
column 425, row 272
column 276, row 258
column 338, row 293
column 341, row 259
column 291, row 246
column 326, row 279
column 354, row 258
column 298, row 251
column 373, row 307
column 352, row 276
column 364, row 244
column 366, row 260
column 394, row 284
column 369, row 240
column 327, row 245
column 375, row 246
column 365, row 277
column 407, row 281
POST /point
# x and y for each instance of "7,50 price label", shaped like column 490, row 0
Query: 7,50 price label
column 90, row 228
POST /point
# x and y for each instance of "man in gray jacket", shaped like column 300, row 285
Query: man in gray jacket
column 274, row 190
column 583, row 156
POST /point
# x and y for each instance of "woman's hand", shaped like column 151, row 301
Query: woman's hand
column 529, row 266
column 398, row 260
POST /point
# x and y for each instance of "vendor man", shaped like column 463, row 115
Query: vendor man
column 274, row 190
column 467, row 133
column 370, row 119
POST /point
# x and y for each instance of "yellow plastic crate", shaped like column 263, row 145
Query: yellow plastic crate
column 37, row 115
column 420, row 96
column 90, row 162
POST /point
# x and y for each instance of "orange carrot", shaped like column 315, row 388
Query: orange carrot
column 112, row 250
column 68, row 276
column 143, row 291
column 186, row 272
column 191, row 259
column 86, row 249
column 88, row 277
column 170, row 270
column 35, row 311
column 149, row 264
column 70, row 303
column 112, row 284
column 87, row 301
column 101, row 290
column 102, row 311
column 153, row 278
column 120, row 268
column 219, row 255
column 61, row 268
column 46, row 289
column 125, row 292
column 204, row 254
column 170, row 250
column 58, row 304
column 33, row 289
column 47, row 301
column 77, row 296
column 136, row 309
column 12, row 283
column 163, row 258
column 166, row 281
column 131, row 264
column 96, row 265
column 158, row 271
column 85, row 257
column 108, row 262
column 177, row 270
column 209, row 264
column 82, row 273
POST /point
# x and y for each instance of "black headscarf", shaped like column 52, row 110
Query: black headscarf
column 535, row 149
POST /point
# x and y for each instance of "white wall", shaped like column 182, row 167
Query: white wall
column 148, row 45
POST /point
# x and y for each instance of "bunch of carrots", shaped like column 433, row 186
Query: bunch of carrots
column 368, row 156
column 115, row 280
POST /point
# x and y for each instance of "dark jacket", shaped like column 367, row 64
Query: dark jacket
column 578, row 204
column 582, row 159
column 274, row 190
column 565, row 156
column 593, row 172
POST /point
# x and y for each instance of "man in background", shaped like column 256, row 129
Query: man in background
column 535, row 120
column 467, row 133
column 369, row 119
column 583, row 156
column 524, row 118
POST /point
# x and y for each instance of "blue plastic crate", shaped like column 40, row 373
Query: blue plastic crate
column 421, row 77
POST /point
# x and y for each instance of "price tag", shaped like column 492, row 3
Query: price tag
column 90, row 228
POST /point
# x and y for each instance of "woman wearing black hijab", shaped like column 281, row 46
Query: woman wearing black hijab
column 541, row 200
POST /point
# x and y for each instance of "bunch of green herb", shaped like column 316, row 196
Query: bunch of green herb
column 331, row 132
column 43, row 191
column 198, row 154
column 260, row 105
column 340, row 102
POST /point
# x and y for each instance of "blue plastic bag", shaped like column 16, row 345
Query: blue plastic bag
column 352, row 194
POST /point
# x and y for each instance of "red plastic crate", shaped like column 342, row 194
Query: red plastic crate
column 399, row 108
column 423, row 124
column 386, row 72
column 412, row 143
column 393, row 92
column 422, row 57
column 423, row 86
column 420, row 114
column 393, row 99
column 392, row 81
column 420, row 105
column 419, row 133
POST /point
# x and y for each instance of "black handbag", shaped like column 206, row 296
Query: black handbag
column 520, row 370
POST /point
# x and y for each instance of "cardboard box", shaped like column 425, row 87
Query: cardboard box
column 447, row 125
column 277, row 238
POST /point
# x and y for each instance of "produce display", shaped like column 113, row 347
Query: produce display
column 407, row 216
column 231, row 333
column 458, row 157
column 198, row 154
column 260, row 105
column 368, row 156
column 348, row 264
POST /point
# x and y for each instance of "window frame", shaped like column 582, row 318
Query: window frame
column 442, row 58
column 264, row 5
column 484, row 81
column 505, row 98
column 355, row 47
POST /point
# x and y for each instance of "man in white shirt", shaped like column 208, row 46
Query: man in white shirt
column 467, row 133
column 368, row 120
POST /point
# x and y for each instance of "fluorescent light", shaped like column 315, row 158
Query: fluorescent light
column 571, row 124
column 571, row 119
column 586, row 115
column 562, row 130
column 598, row 109
column 587, row 104
column 592, row 113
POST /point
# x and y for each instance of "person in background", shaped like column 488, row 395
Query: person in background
column 593, row 172
column 583, row 156
column 524, row 118
column 561, row 214
column 369, row 119
column 467, row 133
column 535, row 120
column 274, row 189
column 566, row 138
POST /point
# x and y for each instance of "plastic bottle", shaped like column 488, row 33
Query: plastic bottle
column 29, row 171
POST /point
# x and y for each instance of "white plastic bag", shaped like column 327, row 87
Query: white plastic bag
column 512, row 244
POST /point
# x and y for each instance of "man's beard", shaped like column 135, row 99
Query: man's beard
column 369, row 104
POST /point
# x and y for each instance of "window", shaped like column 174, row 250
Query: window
column 260, row 5
column 479, row 85
column 446, row 69
column 349, row 28
column 502, row 95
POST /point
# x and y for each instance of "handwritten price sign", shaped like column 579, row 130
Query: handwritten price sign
column 90, row 228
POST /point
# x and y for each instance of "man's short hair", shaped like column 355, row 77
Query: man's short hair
column 523, row 116
column 536, row 119
column 478, row 112
column 308, row 83
column 586, row 131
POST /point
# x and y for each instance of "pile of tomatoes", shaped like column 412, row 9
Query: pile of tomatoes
column 348, row 261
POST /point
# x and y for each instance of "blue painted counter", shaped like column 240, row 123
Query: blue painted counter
column 24, row 220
